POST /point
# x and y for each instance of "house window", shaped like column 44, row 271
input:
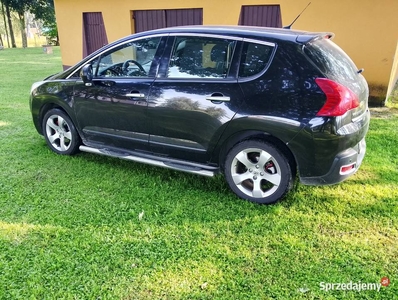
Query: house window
column 153, row 19
column 261, row 15
column 94, row 34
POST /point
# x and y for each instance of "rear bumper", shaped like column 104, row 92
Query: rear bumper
column 350, row 157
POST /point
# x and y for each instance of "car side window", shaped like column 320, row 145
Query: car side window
column 133, row 59
column 200, row 57
column 255, row 58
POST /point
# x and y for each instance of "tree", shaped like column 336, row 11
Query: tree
column 44, row 11
column 6, row 4
column 20, row 7
column 5, row 24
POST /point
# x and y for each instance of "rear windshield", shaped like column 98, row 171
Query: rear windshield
column 331, row 59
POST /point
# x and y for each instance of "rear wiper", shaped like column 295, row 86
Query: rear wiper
column 360, row 71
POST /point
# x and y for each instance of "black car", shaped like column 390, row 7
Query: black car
column 260, row 105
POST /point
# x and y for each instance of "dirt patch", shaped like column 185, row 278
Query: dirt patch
column 377, row 95
column 383, row 112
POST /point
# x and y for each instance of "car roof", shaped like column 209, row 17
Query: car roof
column 246, row 31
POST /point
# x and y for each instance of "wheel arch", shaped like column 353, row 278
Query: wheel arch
column 236, row 138
column 60, row 133
column 52, row 105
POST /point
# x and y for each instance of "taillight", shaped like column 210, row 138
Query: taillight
column 339, row 99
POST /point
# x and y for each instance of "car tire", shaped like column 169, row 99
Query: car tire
column 60, row 132
column 257, row 171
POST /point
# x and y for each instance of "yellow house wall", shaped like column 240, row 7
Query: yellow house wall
column 365, row 29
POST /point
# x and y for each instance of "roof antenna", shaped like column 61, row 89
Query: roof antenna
column 289, row 26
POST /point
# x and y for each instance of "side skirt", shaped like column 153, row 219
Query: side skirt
column 179, row 165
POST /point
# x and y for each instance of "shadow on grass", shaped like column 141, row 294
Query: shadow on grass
column 97, row 190
column 92, row 189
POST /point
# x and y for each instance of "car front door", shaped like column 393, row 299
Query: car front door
column 111, row 109
column 194, row 97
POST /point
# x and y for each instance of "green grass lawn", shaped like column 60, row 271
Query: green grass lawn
column 70, row 226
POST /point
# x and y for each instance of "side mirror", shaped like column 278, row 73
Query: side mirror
column 86, row 74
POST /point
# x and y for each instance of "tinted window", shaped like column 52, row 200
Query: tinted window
column 133, row 59
column 255, row 58
column 200, row 57
column 330, row 59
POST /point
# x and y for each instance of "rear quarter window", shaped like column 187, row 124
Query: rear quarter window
column 255, row 58
column 331, row 60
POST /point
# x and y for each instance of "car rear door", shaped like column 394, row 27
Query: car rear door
column 195, row 96
column 111, row 111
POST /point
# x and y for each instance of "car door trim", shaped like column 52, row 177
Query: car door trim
column 176, row 143
column 128, row 135
column 218, row 36
column 259, row 42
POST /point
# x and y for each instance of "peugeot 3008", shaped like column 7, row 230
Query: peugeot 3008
column 260, row 105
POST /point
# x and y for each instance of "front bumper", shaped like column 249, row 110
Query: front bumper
column 352, row 156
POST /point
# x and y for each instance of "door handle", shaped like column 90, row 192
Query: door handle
column 135, row 95
column 218, row 98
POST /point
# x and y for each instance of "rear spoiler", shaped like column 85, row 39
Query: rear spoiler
column 305, row 38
